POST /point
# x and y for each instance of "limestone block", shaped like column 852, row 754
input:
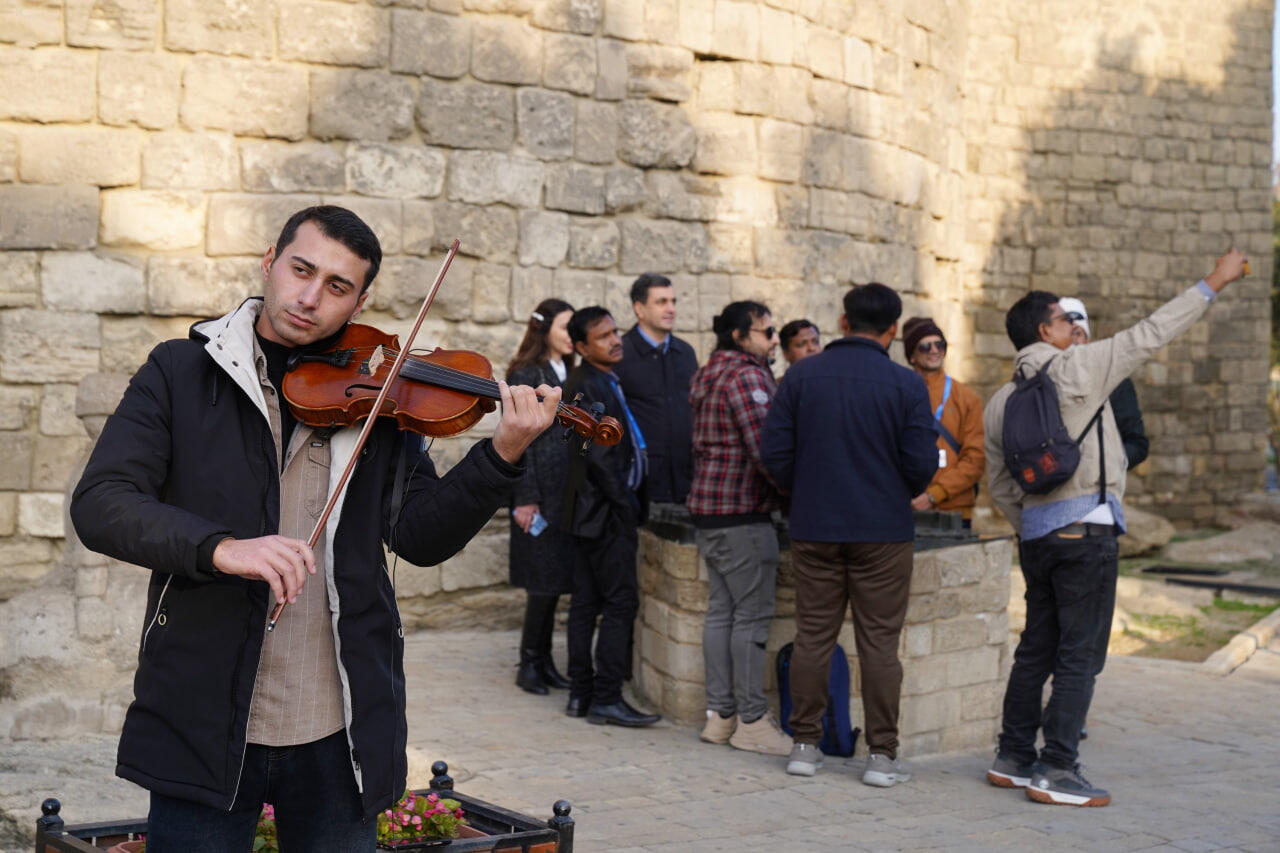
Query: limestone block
column 269, row 166
column 16, row 405
column 678, row 195
column 245, row 224
column 973, row 666
column 789, row 88
column 335, row 33
column 404, row 282
column 490, row 293
column 575, row 188
column 1145, row 532
column 655, row 134
column 419, row 225
column 486, row 232
column 529, row 286
column 928, row 607
column 239, row 27
column 17, row 447
column 490, row 112
column 27, row 23
column 152, row 219
column 40, row 514
column 176, row 160
column 397, row 171
column 47, row 85
column 962, row 632
column 777, row 44
column 58, row 411
column 926, row 575
column 781, row 150
column 85, row 281
column 657, row 71
column 624, row 20
column 736, row 29
column 569, row 63
column 545, row 123
column 506, row 50
column 929, row 713
column 593, row 244
column 961, row 565
column 726, row 144
column 487, row 177
column 718, row 85
column 65, row 155
column 697, row 24
column 730, row 248
column 380, row 214
column 95, row 619
column 595, row 132
column 19, row 281
column 660, row 246
column 579, row 287
column 824, row 160
column 624, row 189
column 611, row 70
column 8, row 513
column 55, row 458
column 544, row 238
column 127, row 24
column 924, row 675
column 857, row 62
column 830, row 101
column 126, row 341
column 48, row 217
column 73, row 335
column 918, row 641
column 8, row 157
column 139, row 88
column 781, row 252
column 367, row 105
column 572, row 16
column 226, row 94
column 483, row 562
column 755, row 94
column 426, row 43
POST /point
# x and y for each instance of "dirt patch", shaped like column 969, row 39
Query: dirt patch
column 1183, row 636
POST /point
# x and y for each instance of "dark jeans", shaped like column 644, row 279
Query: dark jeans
column 1071, row 595
column 311, row 786
column 604, row 587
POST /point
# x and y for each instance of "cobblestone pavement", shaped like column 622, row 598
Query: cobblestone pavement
column 1192, row 761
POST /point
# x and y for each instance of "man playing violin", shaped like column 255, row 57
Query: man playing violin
column 203, row 476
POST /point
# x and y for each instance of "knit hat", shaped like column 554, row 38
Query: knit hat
column 917, row 329
column 1071, row 305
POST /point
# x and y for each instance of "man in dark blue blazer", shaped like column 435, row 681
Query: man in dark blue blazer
column 850, row 436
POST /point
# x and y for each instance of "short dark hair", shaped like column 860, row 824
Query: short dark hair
column 1022, row 321
column 794, row 328
column 337, row 223
column 641, row 286
column 583, row 319
column 871, row 307
column 736, row 317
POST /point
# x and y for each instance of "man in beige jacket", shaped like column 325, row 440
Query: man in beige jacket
column 1067, row 537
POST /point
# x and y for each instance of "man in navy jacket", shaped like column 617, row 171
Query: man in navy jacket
column 850, row 436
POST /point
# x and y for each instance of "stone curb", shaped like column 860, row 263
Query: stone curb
column 1242, row 646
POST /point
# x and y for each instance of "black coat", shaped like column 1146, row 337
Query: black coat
column 657, row 387
column 542, row 564
column 598, row 498
column 1124, row 405
column 187, row 459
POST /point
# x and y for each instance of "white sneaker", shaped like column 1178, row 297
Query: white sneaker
column 763, row 736
column 718, row 728
column 885, row 772
column 806, row 759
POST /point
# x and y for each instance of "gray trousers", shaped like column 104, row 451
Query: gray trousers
column 742, row 568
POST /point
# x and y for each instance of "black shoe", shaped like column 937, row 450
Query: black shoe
column 529, row 679
column 577, row 707
column 620, row 714
column 551, row 676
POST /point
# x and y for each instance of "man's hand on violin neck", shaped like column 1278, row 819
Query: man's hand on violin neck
column 282, row 562
column 524, row 417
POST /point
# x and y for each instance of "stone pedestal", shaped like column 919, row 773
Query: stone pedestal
column 954, row 646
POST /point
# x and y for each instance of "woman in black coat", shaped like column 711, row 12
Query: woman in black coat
column 541, row 555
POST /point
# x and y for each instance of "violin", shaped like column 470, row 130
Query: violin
column 439, row 393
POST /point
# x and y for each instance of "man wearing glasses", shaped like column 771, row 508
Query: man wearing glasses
column 957, row 416
column 1067, row 536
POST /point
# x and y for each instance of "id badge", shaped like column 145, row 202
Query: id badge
column 942, row 457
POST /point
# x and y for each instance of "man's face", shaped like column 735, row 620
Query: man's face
column 1078, row 334
column 603, row 346
column 1058, row 330
column 658, row 311
column 762, row 339
column 929, row 353
column 312, row 288
column 805, row 343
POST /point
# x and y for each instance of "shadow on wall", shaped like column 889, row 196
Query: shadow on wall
column 1134, row 182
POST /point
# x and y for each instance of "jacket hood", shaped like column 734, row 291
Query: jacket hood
column 721, row 362
column 1031, row 358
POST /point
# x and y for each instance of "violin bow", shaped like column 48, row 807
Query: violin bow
column 373, row 416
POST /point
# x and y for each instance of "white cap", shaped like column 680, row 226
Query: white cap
column 1074, row 306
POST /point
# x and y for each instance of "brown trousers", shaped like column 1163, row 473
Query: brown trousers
column 875, row 577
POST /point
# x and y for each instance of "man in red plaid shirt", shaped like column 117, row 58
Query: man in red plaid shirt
column 730, row 502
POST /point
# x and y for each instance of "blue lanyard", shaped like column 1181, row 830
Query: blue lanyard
column 946, row 392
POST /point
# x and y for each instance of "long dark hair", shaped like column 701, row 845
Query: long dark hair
column 533, row 347
column 736, row 317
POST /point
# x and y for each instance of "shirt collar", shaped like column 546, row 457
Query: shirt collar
column 663, row 345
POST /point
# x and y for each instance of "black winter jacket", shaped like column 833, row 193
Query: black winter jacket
column 189, row 455
column 657, row 387
column 1124, row 405
column 598, row 499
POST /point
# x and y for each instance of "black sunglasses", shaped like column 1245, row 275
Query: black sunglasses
column 768, row 333
column 930, row 346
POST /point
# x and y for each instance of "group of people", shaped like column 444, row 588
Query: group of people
column 205, row 476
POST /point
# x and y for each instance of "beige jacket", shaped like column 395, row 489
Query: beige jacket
column 1085, row 376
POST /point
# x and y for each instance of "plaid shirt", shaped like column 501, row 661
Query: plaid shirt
column 730, row 396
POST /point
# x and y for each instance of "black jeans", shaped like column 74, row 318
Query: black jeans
column 311, row 786
column 1071, row 595
column 604, row 587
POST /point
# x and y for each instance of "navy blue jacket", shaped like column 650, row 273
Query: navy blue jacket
column 851, row 437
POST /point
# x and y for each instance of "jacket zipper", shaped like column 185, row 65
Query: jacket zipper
column 156, row 616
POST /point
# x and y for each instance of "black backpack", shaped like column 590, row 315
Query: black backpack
column 1038, row 451
column 838, row 736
